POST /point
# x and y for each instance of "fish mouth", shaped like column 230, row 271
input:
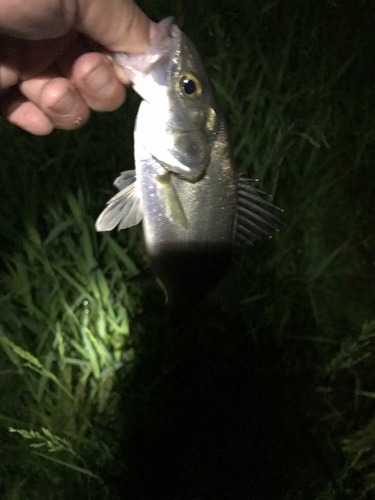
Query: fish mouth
column 138, row 66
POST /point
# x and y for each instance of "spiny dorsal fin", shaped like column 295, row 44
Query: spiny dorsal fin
column 255, row 219
column 124, row 209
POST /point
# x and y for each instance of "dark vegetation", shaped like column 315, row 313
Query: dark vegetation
column 266, row 392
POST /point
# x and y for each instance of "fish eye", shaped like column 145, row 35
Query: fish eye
column 190, row 86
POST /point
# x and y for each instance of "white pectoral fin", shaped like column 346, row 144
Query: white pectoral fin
column 125, row 179
column 174, row 210
column 124, row 210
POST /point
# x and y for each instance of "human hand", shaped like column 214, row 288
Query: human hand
column 53, row 65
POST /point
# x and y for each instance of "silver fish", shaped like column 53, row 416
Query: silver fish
column 194, row 207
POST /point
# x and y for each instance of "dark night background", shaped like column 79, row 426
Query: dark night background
column 265, row 391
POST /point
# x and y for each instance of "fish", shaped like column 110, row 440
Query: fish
column 196, row 210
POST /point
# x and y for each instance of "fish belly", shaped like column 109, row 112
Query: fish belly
column 190, row 259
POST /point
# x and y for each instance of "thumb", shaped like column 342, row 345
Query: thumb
column 118, row 25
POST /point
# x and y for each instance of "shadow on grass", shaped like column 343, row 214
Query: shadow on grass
column 223, row 421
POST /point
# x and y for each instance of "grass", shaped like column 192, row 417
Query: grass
column 272, row 396
column 64, row 338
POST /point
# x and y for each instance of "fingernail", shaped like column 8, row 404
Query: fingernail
column 100, row 79
column 66, row 105
column 155, row 32
column 8, row 77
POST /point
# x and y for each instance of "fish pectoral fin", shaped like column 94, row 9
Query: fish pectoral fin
column 255, row 219
column 124, row 210
column 125, row 179
column 174, row 210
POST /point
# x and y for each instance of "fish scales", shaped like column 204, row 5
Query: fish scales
column 209, row 212
column 195, row 209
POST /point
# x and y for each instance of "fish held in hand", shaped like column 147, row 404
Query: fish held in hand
column 194, row 207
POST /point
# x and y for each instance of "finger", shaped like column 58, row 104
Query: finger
column 82, row 45
column 8, row 77
column 58, row 100
column 121, row 75
column 94, row 76
column 120, row 26
column 24, row 114
column 9, row 62
column 38, row 55
column 21, row 59
column 36, row 19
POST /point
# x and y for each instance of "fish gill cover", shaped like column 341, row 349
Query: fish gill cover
column 195, row 208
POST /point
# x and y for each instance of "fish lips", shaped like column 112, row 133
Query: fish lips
column 138, row 66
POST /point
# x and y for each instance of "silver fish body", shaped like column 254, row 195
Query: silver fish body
column 193, row 205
